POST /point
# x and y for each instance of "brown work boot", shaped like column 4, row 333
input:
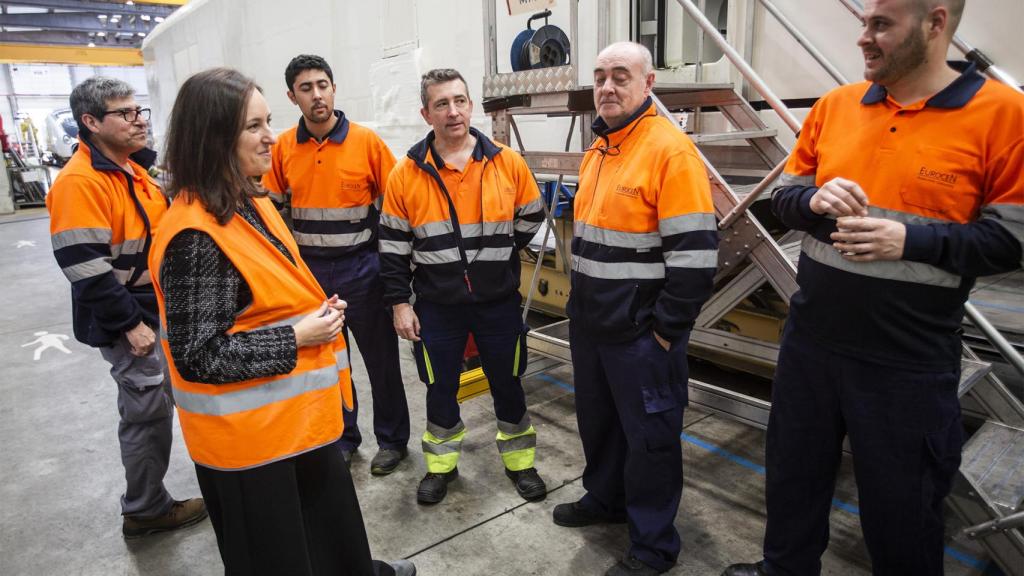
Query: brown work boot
column 182, row 513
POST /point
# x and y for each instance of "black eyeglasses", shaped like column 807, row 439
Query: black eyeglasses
column 129, row 114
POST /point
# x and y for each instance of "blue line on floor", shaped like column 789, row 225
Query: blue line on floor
column 723, row 453
column 556, row 381
column 961, row 557
column 1008, row 307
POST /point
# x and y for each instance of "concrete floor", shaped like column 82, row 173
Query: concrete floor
column 60, row 472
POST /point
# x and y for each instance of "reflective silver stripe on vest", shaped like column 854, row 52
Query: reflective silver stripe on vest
column 527, row 226
column 429, row 229
column 616, row 238
column 395, row 247
column 501, row 228
column 901, row 270
column 619, row 270
column 445, row 256
column 471, row 230
column 257, row 396
column 89, row 269
column 331, row 214
column 286, row 322
column 395, row 222
column 489, row 254
column 687, row 223
column 692, row 259
column 788, row 179
column 341, row 359
column 81, row 236
column 128, row 247
column 332, row 240
column 535, row 205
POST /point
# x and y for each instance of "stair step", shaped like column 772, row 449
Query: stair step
column 993, row 461
column 971, row 372
column 730, row 136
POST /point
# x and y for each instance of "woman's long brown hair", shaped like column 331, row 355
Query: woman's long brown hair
column 206, row 121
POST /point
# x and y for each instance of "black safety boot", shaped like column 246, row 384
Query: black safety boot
column 386, row 460
column 573, row 515
column 630, row 566
column 528, row 483
column 434, row 487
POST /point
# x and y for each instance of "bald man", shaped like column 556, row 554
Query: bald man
column 909, row 187
column 644, row 257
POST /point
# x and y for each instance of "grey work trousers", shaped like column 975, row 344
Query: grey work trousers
column 146, row 407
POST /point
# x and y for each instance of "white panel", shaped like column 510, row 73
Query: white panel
column 43, row 79
column 398, row 27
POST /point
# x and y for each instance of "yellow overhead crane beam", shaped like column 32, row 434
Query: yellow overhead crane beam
column 11, row 53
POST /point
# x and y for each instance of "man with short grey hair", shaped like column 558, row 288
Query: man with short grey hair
column 103, row 208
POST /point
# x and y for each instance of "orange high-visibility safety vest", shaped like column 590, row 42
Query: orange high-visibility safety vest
column 254, row 422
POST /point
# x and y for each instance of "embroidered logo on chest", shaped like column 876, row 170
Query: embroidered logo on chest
column 352, row 186
column 629, row 191
column 942, row 178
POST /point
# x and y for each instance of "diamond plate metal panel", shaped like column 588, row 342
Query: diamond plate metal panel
column 538, row 81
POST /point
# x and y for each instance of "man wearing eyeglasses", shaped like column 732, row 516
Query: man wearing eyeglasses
column 104, row 208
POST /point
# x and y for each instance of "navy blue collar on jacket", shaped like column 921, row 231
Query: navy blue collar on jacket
column 956, row 95
column 484, row 148
column 601, row 128
column 145, row 157
column 336, row 135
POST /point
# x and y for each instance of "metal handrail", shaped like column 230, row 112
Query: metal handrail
column 803, row 41
column 745, row 69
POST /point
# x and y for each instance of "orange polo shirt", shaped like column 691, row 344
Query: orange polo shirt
column 333, row 186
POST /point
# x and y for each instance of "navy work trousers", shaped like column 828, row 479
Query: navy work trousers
column 629, row 403
column 356, row 280
column 905, row 434
column 498, row 330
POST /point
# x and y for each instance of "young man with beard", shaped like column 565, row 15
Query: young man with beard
column 909, row 187
column 104, row 209
column 644, row 257
column 332, row 172
column 459, row 207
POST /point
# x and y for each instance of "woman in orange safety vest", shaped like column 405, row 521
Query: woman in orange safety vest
column 259, row 374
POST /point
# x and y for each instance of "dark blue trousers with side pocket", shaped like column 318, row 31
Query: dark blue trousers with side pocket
column 905, row 434
column 630, row 398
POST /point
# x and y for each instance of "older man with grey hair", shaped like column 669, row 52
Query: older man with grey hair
column 644, row 257
column 103, row 208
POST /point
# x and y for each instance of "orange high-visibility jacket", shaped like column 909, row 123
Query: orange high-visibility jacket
column 101, row 221
column 645, row 242
column 464, row 235
column 254, row 422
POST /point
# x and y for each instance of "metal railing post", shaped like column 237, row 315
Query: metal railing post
column 745, row 69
